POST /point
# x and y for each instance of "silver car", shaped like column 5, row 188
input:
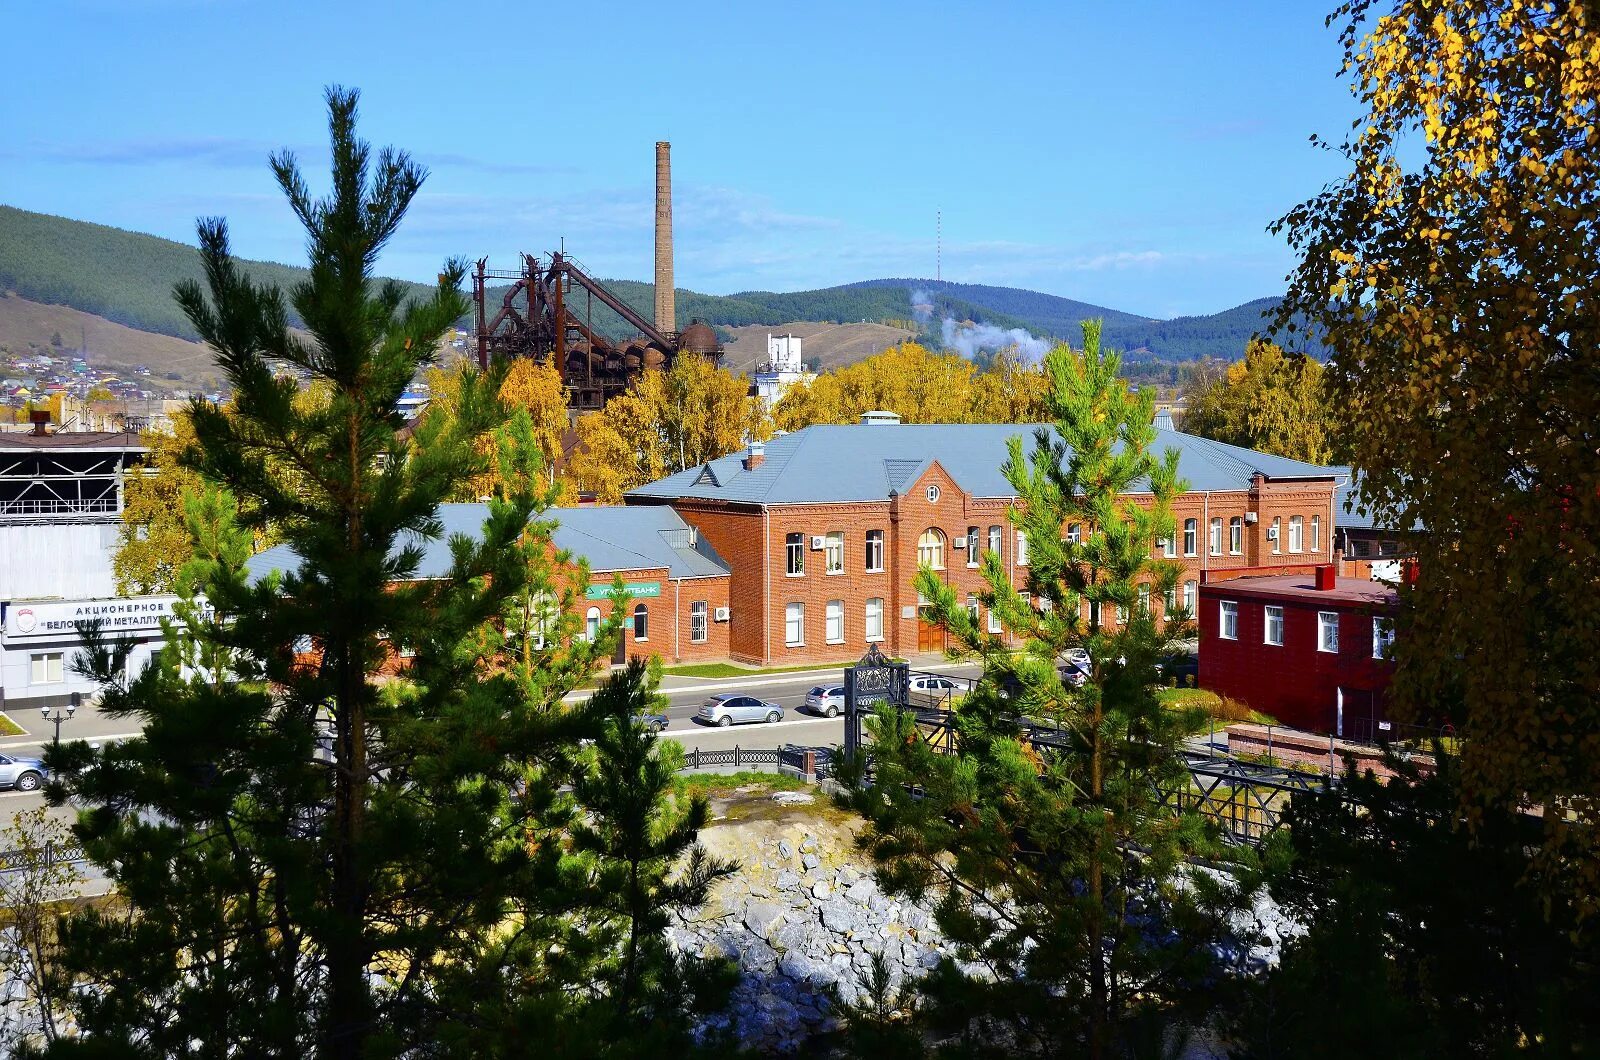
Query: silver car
column 726, row 708
column 827, row 700
column 24, row 774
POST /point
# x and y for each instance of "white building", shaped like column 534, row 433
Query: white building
column 783, row 368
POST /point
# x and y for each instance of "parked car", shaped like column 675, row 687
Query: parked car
column 728, row 708
column 1179, row 668
column 24, row 774
column 827, row 700
column 1075, row 667
column 653, row 722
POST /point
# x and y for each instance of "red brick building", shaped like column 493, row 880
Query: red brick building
column 823, row 529
column 1312, row 651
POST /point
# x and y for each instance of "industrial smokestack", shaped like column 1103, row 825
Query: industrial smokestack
column 666, row 312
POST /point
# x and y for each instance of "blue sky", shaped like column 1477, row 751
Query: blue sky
column 1129, row 154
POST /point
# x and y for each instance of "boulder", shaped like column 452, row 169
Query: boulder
column 761, row 917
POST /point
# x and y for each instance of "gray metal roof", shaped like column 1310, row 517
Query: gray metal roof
column 1359, row 518
column 609, row 538
column 863, row 462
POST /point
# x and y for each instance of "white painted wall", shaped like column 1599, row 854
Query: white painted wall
column 57, row 560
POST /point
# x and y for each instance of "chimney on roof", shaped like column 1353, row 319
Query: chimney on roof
column 40, row 418
column 1327, row 577
column 879, row 417
column 756, row 456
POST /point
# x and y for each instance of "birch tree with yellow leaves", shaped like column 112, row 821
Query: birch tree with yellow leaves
column 1455, row 273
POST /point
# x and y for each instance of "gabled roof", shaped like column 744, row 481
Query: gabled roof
column 1358, row 517
column 609, row 538
column 864, row 462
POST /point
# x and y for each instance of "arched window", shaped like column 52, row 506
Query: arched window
column 591, row 625
column 641, row 623
column 1190, row 529
column 1216, row 537
column 1297, row 533
column 994, row 540
column 930, row 549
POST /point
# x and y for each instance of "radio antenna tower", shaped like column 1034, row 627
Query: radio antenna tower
column 938, row 242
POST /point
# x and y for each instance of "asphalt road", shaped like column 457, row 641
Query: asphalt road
column 683, row 694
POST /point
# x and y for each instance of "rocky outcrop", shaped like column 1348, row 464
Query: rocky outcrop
column 803, row 920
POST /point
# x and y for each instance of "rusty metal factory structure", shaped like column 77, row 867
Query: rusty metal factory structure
column 548, row 314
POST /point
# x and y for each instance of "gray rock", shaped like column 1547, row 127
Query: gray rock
column 846, row 875
column 808, row 844
column 760, row 917
column 861, row 890
column 785, row 850
column 822, row 891
column 797, row 966
column 838, row 917
column 787, row 880
column 810, row 861
column 877, row 903
column 916, row 917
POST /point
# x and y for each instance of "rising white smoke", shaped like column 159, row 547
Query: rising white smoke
column 968, row 339
column 922, row 306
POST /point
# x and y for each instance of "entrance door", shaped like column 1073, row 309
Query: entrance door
column 620, row 656
column 930, row 634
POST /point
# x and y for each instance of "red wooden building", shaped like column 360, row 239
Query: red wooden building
column 1310, row 650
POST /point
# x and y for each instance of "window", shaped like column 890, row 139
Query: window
column 641, row 623
column 1122, row 615
column 1074, row 533
column 1297, row 533
column 698, row 630
column 874, row 551
column 1228, row 627
column 1169, row 601
column 833, row 617
column 1236, row 536
column 1316, row 533
column 794, row 624
column 994, row 623
column 1276, row 535
column 930, row 549
column 994, row 540
column 1094, row 613
column 1167, row 546
column 933, row 494
column 833, row 553
column 1144, row 600
column 794, row 555
column 1274, row 625
column 544, row 618
column 591, row 625
column 972, row 607
column 1191, row 596
column 974, row 543
column 1382, row 637
column 1216, row 537
column 46, row 668
column 1190, row 527
column 1328, row 631
column 1022, row 549
column 875, row 618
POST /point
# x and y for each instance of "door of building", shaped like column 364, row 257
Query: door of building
column 620, row 656
column 930, row 634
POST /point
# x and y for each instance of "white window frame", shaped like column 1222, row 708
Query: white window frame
column 1169, row 601
column 42, row 665
column 994, row 623
column 1020, row 558
column 933, row 494
column 974, row 546
column 1228, row 619
column 937, row 536
column 699, row 622
column 1272, row 623
column 1382, row 637
column 591, row 625
column 874, row 551
column 1144, row 599
column 1168, row 546
column 995, row 538
column 874, row 618
column 794, row 555
column 833, row 613
column 1277, row 535
column 794, row 625
column 1328, row 620
column 1316, row 533
column 1214, row 542
column 1074, row 533
column 1191, row 534
column 1236, row 536
column 1297, row 533
column 1191, row 596
column 973, row 609
column 833, row 552
column 1122, row 616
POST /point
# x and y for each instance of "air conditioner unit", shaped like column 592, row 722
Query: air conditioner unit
column 818, row 542
column 722, row 614
column 1272, row 533
column 1251, row 517
column 959, row 543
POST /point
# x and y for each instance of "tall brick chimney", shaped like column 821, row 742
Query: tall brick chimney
column 666, row 312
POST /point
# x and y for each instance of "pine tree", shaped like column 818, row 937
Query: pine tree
column 303, row 847
column 1054, row 864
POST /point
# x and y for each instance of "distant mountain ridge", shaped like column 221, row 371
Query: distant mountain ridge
column 127, row 277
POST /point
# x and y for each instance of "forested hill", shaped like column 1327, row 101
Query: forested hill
column 127, row 277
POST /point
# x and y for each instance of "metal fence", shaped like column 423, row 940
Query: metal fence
column 53, row 854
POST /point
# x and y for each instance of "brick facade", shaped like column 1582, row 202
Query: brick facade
column 668, row 625
column 752, row 539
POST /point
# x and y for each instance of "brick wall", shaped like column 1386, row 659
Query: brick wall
column 667, row 616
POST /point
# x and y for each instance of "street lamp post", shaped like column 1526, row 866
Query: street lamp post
column 58, row 717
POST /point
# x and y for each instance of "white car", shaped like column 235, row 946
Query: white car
column 728, row 708
column 933, row 688
column 1075, row 667
column 827, row 700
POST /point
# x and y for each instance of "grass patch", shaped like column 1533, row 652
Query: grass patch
column 729, row 670
column 687, row 785
column 1220, row 708
column 10, row 728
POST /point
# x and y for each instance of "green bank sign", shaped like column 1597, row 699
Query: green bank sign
column 637, row 590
